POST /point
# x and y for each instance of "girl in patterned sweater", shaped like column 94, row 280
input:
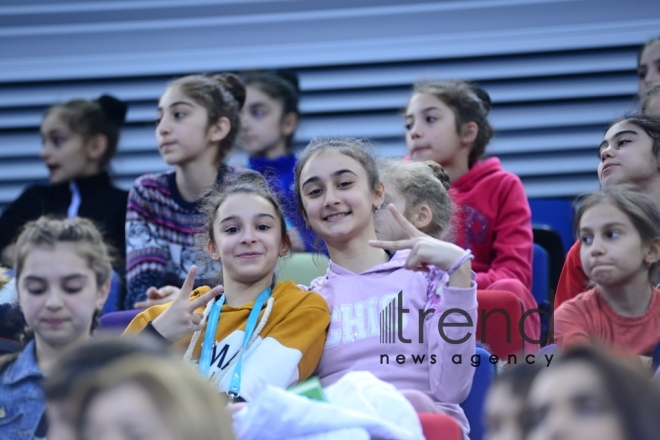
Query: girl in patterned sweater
column 198, row 120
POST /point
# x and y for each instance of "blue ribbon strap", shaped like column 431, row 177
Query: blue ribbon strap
column 209, row 337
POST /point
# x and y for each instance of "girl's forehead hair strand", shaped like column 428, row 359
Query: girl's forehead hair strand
column 47, row 232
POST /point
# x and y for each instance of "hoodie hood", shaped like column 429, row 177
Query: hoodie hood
column 478, row 173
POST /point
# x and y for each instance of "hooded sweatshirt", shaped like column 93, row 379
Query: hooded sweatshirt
column 364, row 330
column 494, row 222
column 286, row 349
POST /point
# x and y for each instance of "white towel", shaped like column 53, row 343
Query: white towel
column 359, row 407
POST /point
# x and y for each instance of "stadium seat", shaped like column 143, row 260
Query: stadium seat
column 112, row 302
column 473, row 406
column 440, row 427
column 302, row 267
column 550, row 240
column 501, row 335
column 540, row 274
column 117, row 321
column 557, row 214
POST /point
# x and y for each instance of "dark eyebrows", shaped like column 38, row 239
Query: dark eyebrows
column 310, row 180
column 174, row 104
column 621, row 133
column 427, row 109
column 228, row 219
column 344, row 171
column 334, row 174
column 235, row 217
column 263, row 214
column 606, row 225
column 34, row 278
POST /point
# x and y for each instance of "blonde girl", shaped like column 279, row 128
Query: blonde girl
column 258, row 331
column 63, row 277
column 197, row 124
column 339, row 191
column 418, row 190
column 150, row 397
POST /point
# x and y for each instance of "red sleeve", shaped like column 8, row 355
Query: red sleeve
column 570, row 326
column 572, row 280
column 513, row 243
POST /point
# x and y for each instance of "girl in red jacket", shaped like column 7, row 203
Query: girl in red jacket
column 447, row 122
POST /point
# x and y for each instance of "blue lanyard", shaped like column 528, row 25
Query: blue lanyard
column 209, row 337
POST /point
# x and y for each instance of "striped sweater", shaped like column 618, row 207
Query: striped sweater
column 160, row 236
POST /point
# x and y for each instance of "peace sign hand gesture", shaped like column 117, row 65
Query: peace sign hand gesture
column 425, row 250
column 180, row 318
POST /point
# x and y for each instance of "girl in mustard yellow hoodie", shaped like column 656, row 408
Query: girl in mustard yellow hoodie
column 250, row 331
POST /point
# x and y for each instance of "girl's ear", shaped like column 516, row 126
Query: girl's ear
column 284, row 248
column 220, row 129
column 103, row 293
column 96, row 147
column 653, row 252
column 212, row 250
column 422, row 216
column 379, row 195
column 289, row 124
column 469, row 132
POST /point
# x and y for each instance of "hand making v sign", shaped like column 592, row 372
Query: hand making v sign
column 425, row 250
column 180, row 318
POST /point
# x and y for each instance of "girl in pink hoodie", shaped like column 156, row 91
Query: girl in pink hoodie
column 447, row 122
column 390, row 301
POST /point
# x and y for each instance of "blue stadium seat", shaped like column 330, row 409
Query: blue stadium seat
column 484, row 375
column 556, row 213
column 540, row 274
column 112, row 303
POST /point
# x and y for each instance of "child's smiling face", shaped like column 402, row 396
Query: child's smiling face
column 247, row 238
column 337, row 199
